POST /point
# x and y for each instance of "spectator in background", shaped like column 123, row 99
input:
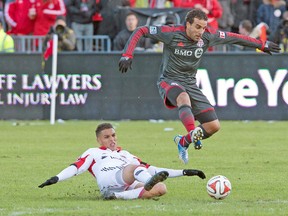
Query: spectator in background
column 97, row 18
column 244, row 10
column 6, row 41
column 259, row 32
column 20, row 16
column 158, row 45
column 281, row 35
column 159, row 3
column 253, row 7
column 245, row 27
column 1, row 7
column 46, row 13
column 141, row 4
column 212, row 8
column 132, row 3
column 81, row 14
column 66, row 36
column 226, row 21
column 122, row 37
column 271, row 12
column 109, row 25
column 1, row 13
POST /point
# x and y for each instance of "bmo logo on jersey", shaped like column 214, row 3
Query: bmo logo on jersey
column 198, row 52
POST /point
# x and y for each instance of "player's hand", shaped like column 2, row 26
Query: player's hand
column 271, row 47
column 192, row 172
column 124, row 64
column 50, row 181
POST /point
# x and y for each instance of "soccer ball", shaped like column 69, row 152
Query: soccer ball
column 219, row 187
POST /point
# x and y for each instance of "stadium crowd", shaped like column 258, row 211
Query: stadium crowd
column 264, row 19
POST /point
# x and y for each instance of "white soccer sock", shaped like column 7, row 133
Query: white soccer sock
column 130, row 194
column 172, row 173
column 141, row 174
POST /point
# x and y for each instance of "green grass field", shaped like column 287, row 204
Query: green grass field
column 253, row 155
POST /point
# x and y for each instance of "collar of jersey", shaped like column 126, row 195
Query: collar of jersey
column 105, row 148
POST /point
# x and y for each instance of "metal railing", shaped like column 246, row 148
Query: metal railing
column 28, row 44
column 99, row 43
column 34, row 44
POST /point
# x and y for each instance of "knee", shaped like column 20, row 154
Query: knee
column 160, row 189
column 216, row 127
column 211, row 127
column 183, row 99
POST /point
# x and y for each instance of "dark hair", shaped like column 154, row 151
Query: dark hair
column 131, row 14
column 170, row 19
column 102, row 127
column 195, row 13
column 247, row 25
column 61, row 18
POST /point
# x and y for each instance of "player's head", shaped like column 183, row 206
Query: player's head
column 196, row 22
column 106, row 136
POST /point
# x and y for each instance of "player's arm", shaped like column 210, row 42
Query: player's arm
column 158, row 33
column 64, row 174
column 80, row 166
column 125, row 62
column 9, row 12
column 177, row 173
column 222, row 37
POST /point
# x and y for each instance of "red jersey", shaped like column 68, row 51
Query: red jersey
column 213, row 6
column 46, row 13
column 16, row 14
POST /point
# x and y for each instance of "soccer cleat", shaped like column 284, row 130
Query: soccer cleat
column 198, row 145
column 158, row 177
column 196, row 136
column 182, row 151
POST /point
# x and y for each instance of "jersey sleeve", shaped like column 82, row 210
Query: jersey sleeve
column 132, row 158
column 221, row 37
column 158, row 33
column 84, row 162
column 59, row 10
column 10, row 12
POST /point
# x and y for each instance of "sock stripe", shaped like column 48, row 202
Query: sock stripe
column 138, row 172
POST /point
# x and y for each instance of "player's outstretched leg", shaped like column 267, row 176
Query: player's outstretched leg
column 196, row 136
column 182, row 150
column 158, row 177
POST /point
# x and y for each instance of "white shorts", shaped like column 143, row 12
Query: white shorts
column 112, row 181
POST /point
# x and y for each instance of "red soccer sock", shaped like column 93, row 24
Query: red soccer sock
column 186, row 140
column 187, row 118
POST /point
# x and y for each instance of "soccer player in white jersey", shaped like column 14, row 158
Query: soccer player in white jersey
column 119, row 174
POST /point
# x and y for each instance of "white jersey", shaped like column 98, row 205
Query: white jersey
column 106, row 166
